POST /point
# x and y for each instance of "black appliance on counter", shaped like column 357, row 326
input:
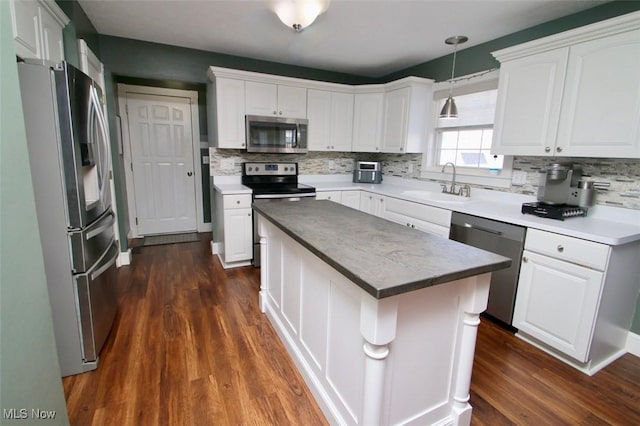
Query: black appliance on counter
column 273, row 182
column 553, row 211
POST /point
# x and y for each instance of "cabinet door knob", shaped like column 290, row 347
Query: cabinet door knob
column 189, row 173
column 559, row 149
column 525, row 259
column 560, row 248
column 238, row 202
column 547, row 149
column 249, row 214
column 275, row 112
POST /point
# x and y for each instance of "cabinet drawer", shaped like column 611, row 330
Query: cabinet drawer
column 419, row 211
column 574, row 250
column 236, row 201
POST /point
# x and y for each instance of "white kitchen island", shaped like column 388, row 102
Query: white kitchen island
column 381, row 320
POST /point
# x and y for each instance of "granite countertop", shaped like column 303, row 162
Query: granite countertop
column 381, row 257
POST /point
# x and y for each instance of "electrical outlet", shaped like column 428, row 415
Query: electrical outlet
column 518, row 177
column 332, row 165
column 227, row 164
column 410, row 167
column 205, row 159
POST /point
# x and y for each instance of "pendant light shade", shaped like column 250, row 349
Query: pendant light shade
column 299, row 14
column 449, row 110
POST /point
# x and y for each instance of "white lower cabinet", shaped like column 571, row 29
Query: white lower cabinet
column 557, row 302
column 576, row 298
column 350, row 199
column 346, row 198
column 372, row 203
column 334, row 196
column 433, row 220
column 234, row 229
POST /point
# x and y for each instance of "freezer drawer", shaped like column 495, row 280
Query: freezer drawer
column 90, row 243
column 97, row 302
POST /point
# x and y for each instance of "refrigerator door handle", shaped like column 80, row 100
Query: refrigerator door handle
column 103, row 148
column 99, row 230
column 95, row 274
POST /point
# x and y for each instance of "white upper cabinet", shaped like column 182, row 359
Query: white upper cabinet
column 226, row 96
column 319, row 116
column 600, row 114
column 90, row 64
column 37, row 29
column 407, row 115
column 330, row 116
column 275, row 100
column 367, row 122
column 392, row 117
column 528, row 105
column 574, row 94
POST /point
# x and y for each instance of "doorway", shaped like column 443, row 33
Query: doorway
column 161, row 149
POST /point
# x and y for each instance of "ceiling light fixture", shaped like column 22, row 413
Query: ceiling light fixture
column 449, row 110
column 299, row 14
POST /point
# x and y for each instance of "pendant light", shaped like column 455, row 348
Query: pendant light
column 299, row 14
column 449, row 110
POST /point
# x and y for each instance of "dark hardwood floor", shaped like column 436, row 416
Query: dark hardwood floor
column 190, row 347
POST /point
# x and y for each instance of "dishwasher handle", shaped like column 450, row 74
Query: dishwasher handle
column 481, row 228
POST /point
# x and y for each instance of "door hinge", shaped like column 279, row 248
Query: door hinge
column 136, row 220
column 131, row 166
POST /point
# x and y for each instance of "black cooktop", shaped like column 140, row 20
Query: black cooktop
column 553, row 211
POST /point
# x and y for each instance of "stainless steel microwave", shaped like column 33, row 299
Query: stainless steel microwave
column 276, row 134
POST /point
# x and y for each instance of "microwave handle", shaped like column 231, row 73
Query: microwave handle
column 298, row 136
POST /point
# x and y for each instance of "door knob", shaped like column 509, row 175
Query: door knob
column 189, row 173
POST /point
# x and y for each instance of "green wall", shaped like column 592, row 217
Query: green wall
column 29, row 369
column 479, row 58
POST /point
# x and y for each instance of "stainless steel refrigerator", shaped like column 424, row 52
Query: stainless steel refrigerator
column 70, row 164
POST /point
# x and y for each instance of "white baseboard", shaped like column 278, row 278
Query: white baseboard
column 205, row 227
column 124, row 258
column 633, row 344
column 215, row 248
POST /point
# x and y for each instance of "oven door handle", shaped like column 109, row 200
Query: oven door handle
column 284, row 196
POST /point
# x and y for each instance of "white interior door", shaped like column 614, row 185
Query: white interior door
column 161, row 139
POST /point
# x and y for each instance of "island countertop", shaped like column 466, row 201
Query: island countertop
column 381, row 257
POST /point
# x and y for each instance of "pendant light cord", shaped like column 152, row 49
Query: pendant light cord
column 453, row 68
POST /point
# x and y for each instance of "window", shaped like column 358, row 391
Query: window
column 466, row 140
column 468, row 147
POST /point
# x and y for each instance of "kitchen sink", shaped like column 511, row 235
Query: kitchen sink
column 437, row 196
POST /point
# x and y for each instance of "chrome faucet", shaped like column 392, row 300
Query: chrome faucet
column 452, row 190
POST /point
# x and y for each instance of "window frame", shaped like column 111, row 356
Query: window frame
column 430, row 170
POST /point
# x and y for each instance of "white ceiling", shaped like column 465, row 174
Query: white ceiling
column 362, row 37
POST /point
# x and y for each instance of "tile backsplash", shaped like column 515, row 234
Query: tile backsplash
column 623, row 175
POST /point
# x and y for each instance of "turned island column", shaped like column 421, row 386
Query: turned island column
column 475, row 302
column 378, row 320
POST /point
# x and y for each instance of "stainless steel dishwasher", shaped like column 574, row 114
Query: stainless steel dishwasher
column 500, row 238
